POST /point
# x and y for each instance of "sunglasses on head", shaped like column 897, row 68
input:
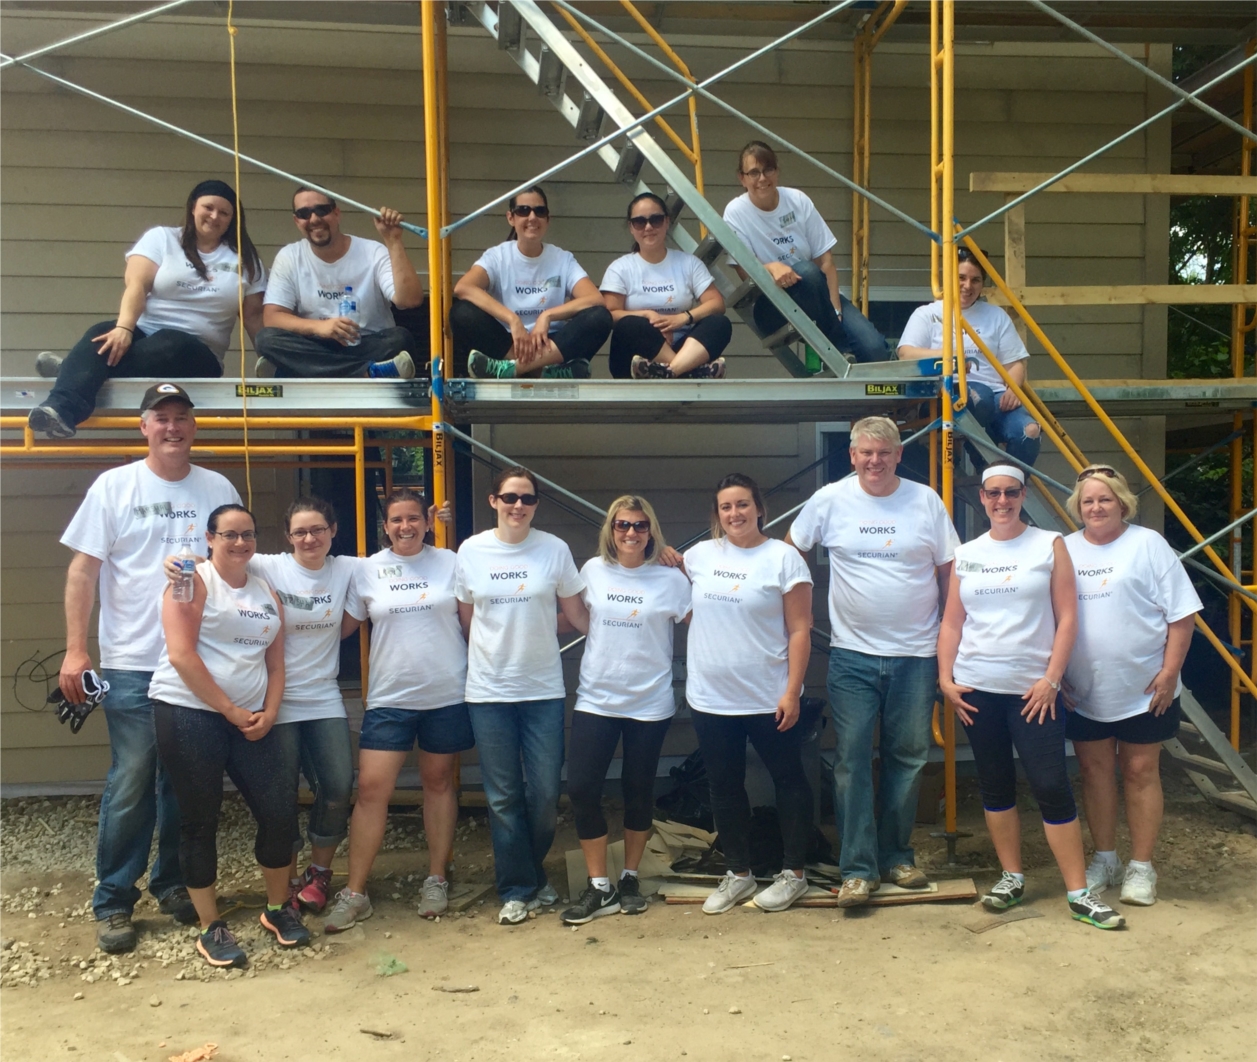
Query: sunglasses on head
column 640, row 526
column 1087, row 473
column 653, row 220
column 1011, row 493
column 522, row 210
column 510, row 497
column 306, row 213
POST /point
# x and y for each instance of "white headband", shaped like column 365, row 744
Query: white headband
column 1003, row 470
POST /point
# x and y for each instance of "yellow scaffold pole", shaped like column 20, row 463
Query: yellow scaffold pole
column 431, row 12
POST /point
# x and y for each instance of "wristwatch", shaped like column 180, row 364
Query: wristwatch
column 1055, row 685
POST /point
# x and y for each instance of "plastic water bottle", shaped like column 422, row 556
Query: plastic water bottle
column 349, row 308
column 185, row 588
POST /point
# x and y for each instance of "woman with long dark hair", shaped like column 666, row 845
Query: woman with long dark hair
column 180, row 303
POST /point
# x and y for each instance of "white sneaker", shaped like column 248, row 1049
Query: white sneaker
column 546, row 897
column 731, row 891
column 1139, row 886
column 784, row 890
column 513, row 912
column 1100, row 875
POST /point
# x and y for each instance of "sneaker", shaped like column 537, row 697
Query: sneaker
column 713, row 370
column 513, row 912
column 116, row 934
column 178, row 904
column 314, row 889
column 1095, row 912
column 1005, row 893
column 48, row 364
column 350, row 909
column 731, row 891
column 578, row 369
column 50, row 422
column 784, row 890
column 435, row 898
column 482, row 367
column 1139, row 886
column 287, row 926
column 1100, row 875
column 644, row 369
column 906, row 876
column 856, row 891
column 401, row 367
column 594, row 903
column 219, row 947
column 546, row 897
column 631, row 899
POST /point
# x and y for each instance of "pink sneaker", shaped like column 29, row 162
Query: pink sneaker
column 314, row 889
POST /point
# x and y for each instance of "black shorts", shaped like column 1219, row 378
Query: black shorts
column 1142, row 729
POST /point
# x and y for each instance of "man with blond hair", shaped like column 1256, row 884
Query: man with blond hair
column 890, row 544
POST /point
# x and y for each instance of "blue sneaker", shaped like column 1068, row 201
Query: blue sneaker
column 401, row 367
column 219, row 947
column 287, row 926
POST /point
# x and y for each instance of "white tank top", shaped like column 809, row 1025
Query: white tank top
column 1006, row 588
column 237, row 627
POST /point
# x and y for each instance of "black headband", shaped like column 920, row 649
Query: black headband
column 218, row 188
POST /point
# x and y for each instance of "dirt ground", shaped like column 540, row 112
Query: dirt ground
column 905, row 984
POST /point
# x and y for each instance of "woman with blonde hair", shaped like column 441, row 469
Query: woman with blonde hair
column 625, row 694
column 1124, row 691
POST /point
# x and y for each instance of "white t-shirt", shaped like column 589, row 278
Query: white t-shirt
column 314, row 602
column 671, row 286
column 1006, row 588
column 527, row 286
column 925, row 329
column 793, row 232
column 237, row 627
column 513, row 646
column 883, row 596
column 1135, row 585
column 737, row 650
column 132, row 520
column 303, row 284
column 180, row 299
column 627, row 667
column 418, row 655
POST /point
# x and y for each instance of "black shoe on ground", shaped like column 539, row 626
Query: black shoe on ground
column 219, row 948
column 116, row 934
column 594, row 903
column 287, row 926
column 178, row 904
column 631, row 899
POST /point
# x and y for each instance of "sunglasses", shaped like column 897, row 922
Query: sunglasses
column 755, row 175
column 523, row 210
column 640, row 526
column 1087, row 473
column 309, row 532
column 1011, row 493
column 232, row 537
column 511, row 498
column 320, row 211
column 653, row 220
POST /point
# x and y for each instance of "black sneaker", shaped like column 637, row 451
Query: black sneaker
column 178, row 904
column 631, row 899
column 1092, row 910
column 1005, row 893
column 50, row 422
column 116, row 934
column 594, row 903
column 571, row 370
column 219, row 948
column 287, row 926
column 713, row 370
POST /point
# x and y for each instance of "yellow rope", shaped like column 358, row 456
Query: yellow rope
column 235, row 143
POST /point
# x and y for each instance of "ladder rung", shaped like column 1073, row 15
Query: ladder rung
column 708, row 250
column 743, row 293
column 1201, row 763
column 589, row 123
column 674, row 205
column 785, row 334
column 1188, row 728
column 551, row 75
column 630, row 165
column 510, row 28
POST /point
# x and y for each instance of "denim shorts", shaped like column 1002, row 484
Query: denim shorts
column 1142, row 729
column 436, row 730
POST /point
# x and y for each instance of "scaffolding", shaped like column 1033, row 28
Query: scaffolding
column 431, row 412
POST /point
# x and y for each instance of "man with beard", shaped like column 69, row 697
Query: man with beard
column 306, row 333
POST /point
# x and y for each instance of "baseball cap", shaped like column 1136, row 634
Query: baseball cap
column 158, row 393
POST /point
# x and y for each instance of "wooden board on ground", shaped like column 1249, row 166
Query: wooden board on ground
column 887, row 896
column 463, row 896
column 993, row 921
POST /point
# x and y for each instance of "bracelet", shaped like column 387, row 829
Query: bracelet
column 1055, row 685
column 125, row 328
column 690, row 317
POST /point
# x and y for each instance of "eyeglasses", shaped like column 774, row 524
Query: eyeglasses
column 522, row 210
column 653, row 220
column 755, row 175
column 511, row 498
column 640, row 526
column 309, row 532
column 320, row 211
column 232, row 537
column 1011, row 493
column 1087, row 473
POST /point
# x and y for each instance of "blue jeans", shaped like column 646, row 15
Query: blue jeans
column 853, row 333
column 138, row 796
column 320, row 747
column 521, row 765
column 1004, row 427
column 897, row 692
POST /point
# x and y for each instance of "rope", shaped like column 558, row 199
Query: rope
column 235, row 147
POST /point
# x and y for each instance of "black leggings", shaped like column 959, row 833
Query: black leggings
column 195, row 747
column 590, row 751
column 997, row 729
column 473, row 329
column 165, row 353
column 722, row 739
column 636, row 335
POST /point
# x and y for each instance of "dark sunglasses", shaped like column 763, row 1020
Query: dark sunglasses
column 653, row 220
column 640, row 526
column 523, row 210
column 511, row 498
column 1087, row 473
column 1011, row 493
column 320, row 211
